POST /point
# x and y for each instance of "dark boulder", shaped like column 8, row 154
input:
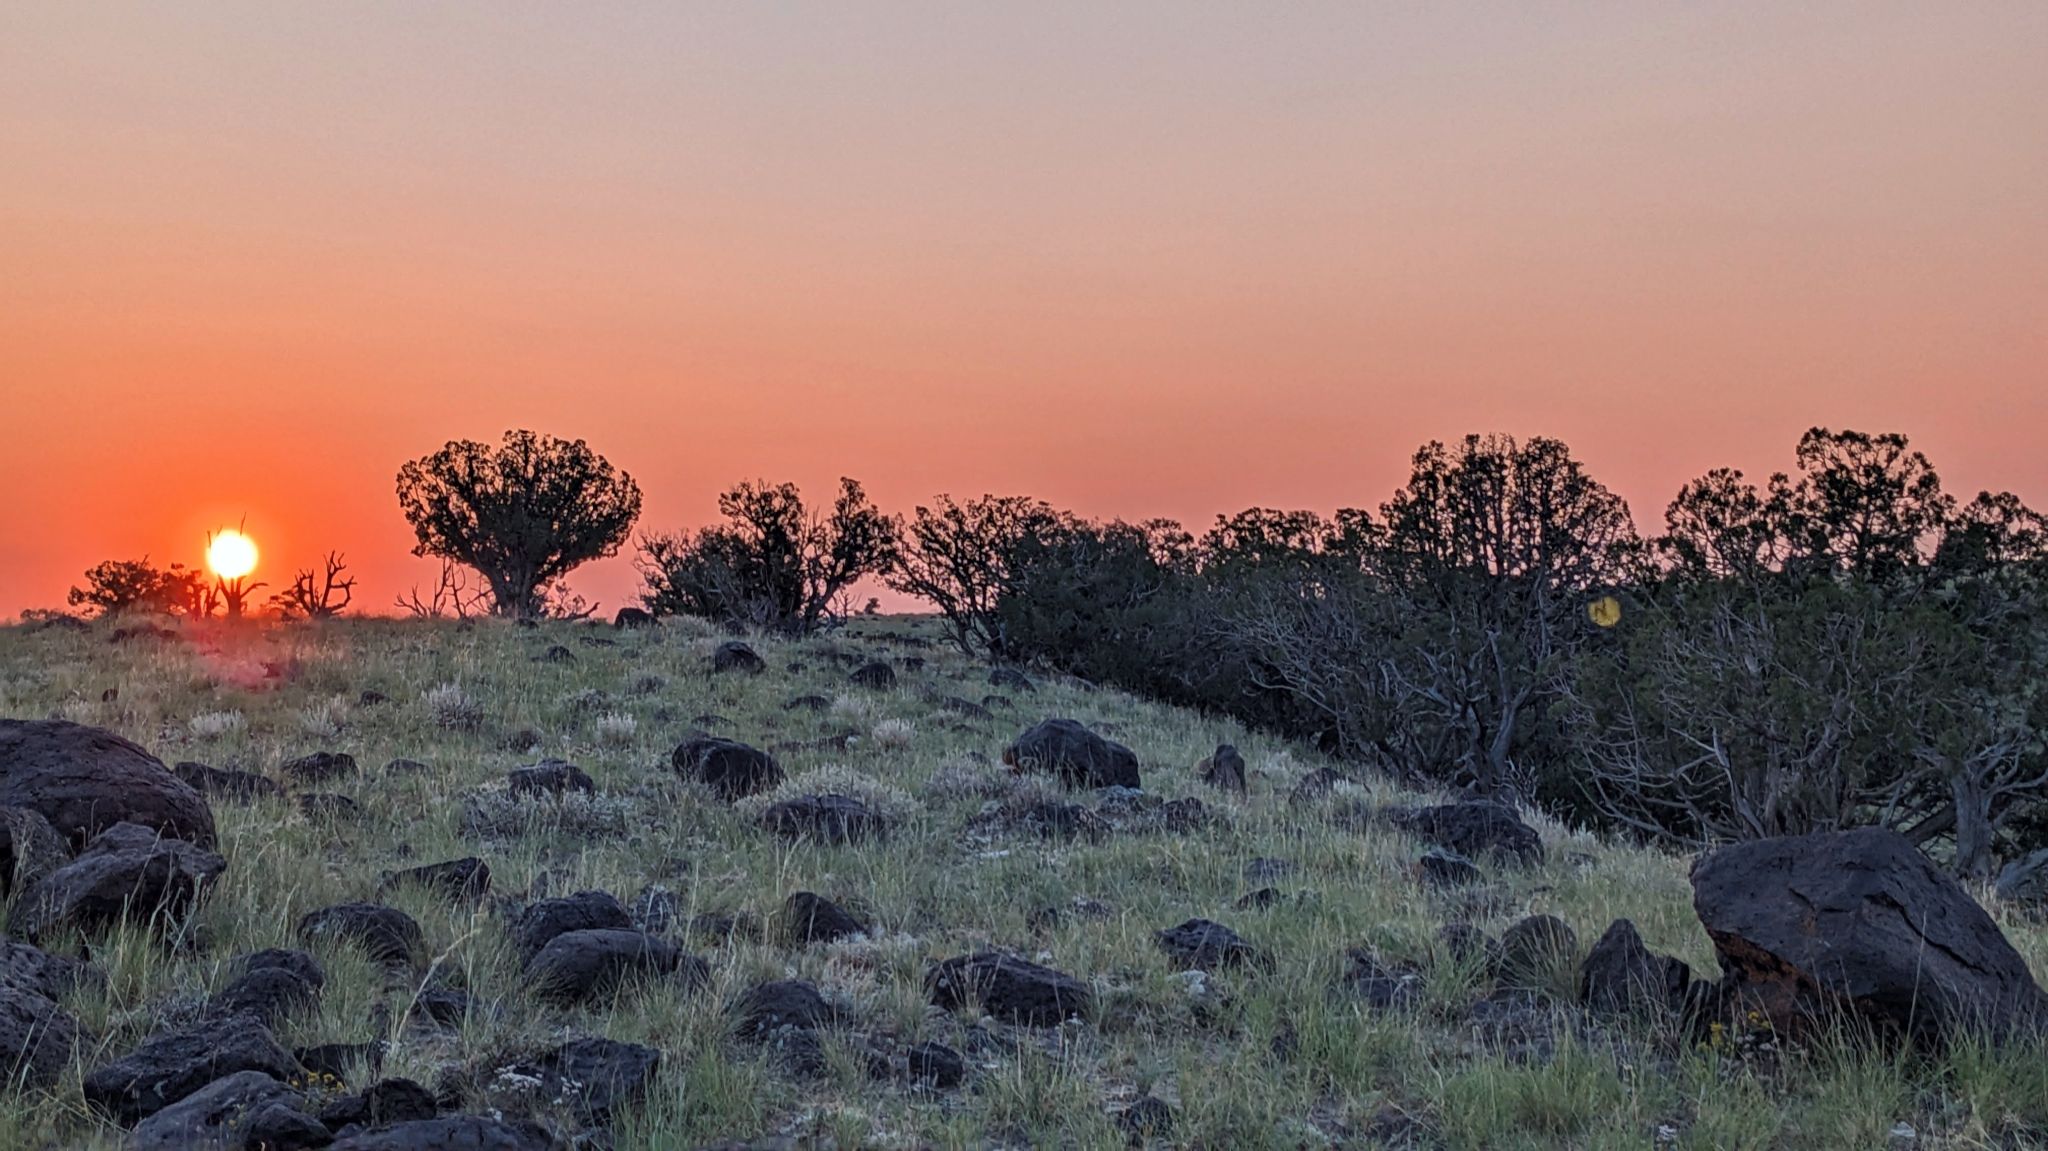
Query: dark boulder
column 37, row 1038
column 735, row 655
column 385, row 934
column 319, row 767
column 728, row 767
column 29, row 848
column 227, row 783
column 1534, row 948
column 550, row 777
column 1475, row 830
column 808, row 918
column 1860, row 922
column 835, row 819
column 169, row 1066
column 782, row 1004
column 877, row 675
column 598, row 1077
column 935, row 1065
column 584, row 911
column 452, row 1133
column 1207, row 946
column 1381, row 987
column 1008, row 988
column 330, row 806
column 460, row 881
column 271, row 994
column 85, row 780
column 1079, row 757
column 1621, row 974
column 576, row 966
column 1223, row 769
column 248, row 1109
column 382, row 1103
column 632, row 617
column 128, row 871
column 1012, row 679
column 31, row 968
column 1440, row 868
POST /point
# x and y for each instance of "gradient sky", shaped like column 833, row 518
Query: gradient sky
column 1137, row 259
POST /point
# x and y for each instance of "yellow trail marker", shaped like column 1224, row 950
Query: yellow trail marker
column 1605, row 611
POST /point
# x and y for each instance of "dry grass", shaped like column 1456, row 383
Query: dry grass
column 1256, row 1059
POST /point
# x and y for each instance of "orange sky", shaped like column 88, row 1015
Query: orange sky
column 1165, row 259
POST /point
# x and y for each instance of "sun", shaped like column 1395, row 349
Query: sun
column 231, row 555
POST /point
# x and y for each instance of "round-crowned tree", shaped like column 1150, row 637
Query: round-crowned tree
column 523, row 514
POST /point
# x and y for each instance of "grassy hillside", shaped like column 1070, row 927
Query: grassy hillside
column 1285, row 1056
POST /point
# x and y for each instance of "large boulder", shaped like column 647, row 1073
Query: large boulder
column 85, row 780
column 1008, row 988
column 460, row 881
column 37, row 1038
column 811, row 918
column 596, row 1076
column 174, row 1064
column 1475, row 830
column 834, row 819
column 1204, row 945
column 579, row 965
column 1079, row 757
column 228, row 783
column 127, row 872
column 736, row 655
column 245, row 1110
column 1859, row 922
column 1223, row 769
column 728, row 767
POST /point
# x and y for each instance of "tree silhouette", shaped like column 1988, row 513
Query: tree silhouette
column 523, row 514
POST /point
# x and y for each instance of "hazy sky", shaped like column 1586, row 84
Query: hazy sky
column 1159, row 259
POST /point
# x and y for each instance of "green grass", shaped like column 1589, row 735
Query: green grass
column 1279, row 1058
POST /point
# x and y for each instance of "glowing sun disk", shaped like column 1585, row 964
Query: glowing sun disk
column 231, row 555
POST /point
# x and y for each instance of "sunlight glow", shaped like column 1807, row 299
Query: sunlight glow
column 231, row 555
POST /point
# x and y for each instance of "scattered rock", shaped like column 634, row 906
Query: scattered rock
column 808, row 918
column 443, row 1007
column 37, row 1038
column 274, row 985
column 654, row 909
column 728, row 767
column 834, row 819
column 460, row 881
column 580, row 965
column 85, row 780
column 1620, row 974
column 1008, row 988
column 1380, row 986
column 319, row 767
column 1805, row 926
column 551, row 777
column 1148, row 1118
column 878, row 676
column 329, row 806
column 169, row 1066
column 1475, row 830
column 597, row 1077
column 1223, row 769
column 1440, row 868
column 50, row 976
column 384, row 934
column 451, row 1133
column 935, row 1065
column 735, row 655
column 584, row 911
column 127, row 871
column 384, row 1102
column 245, row 1109
column 1011, row 679
column 29, row 849
column 1532, row 949
column 782, row 1004
column 1079, row 757
column 228, row 783
column 1207, row 946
